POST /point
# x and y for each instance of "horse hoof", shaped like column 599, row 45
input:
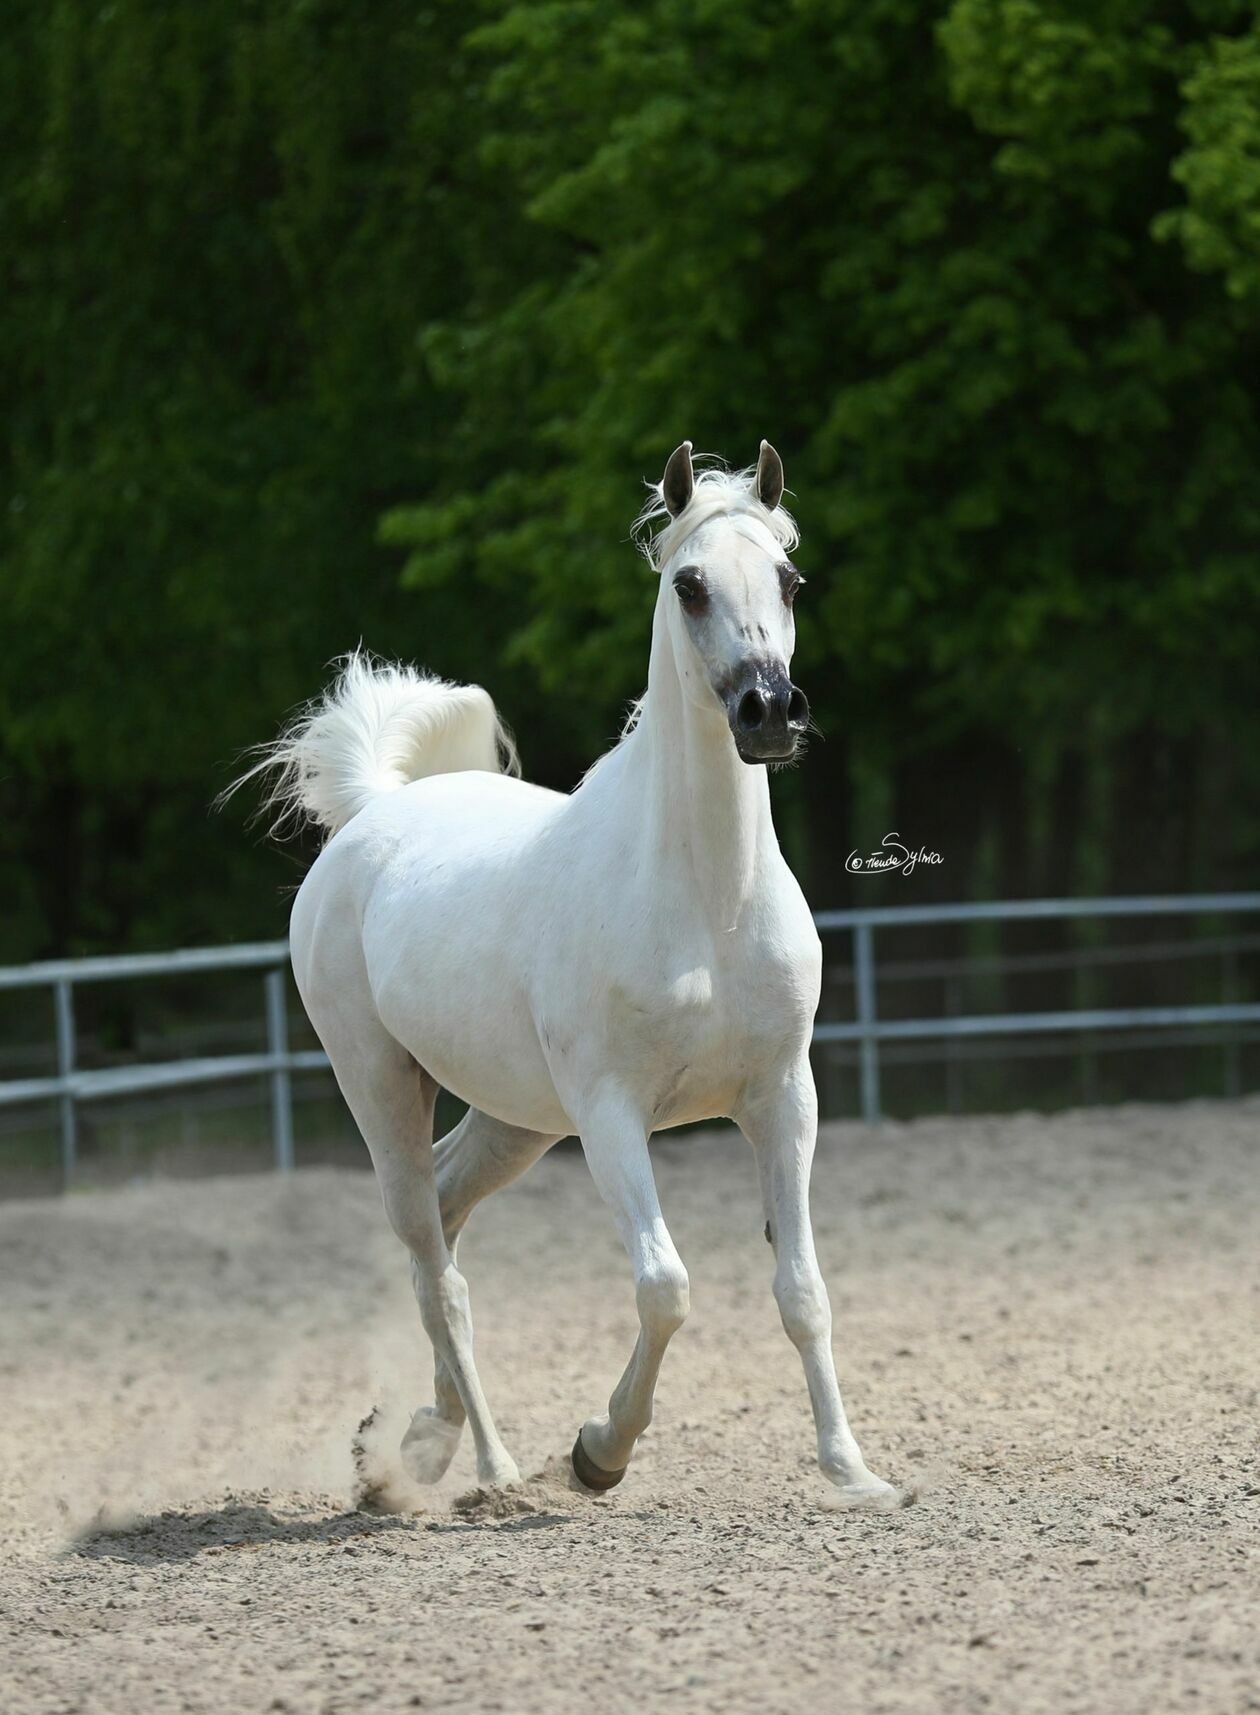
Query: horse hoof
column 588, row 1473
column 429, row 1446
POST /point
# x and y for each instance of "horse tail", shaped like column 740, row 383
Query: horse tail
column 377, row 727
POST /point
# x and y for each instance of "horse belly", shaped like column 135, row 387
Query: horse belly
column 476, row 1037
column 513, row 1086
column 446, row 982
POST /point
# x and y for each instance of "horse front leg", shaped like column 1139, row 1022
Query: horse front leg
column 780, row 1121
column 616, row 1146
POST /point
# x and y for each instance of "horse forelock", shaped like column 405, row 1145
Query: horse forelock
column 718, row 493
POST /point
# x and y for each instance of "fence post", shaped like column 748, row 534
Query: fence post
column 953, row 1085
column 63, row 995
column 864, row 973
column 1229, row 992
column 281, row 1084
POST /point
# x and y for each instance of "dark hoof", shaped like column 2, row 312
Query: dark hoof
column 588, row 1473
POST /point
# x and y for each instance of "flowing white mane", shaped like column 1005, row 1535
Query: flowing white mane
column 718, row 491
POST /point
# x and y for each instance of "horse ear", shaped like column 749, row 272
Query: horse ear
column 769, row 483
column 679, row 482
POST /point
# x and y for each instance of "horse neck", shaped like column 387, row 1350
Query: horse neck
column 707, row 820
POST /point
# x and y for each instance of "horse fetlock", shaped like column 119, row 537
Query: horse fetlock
column 867, row 1492
column 602, row 1452
column 498, row 1471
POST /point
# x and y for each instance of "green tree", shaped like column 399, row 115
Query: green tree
column 300, row 297
column 222, row 224
column 985, row 273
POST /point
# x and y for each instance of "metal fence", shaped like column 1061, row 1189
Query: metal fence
column 869, row 1031
column 74, row 1085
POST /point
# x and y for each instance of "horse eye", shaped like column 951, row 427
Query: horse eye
column 691, row 592
column 790, row 580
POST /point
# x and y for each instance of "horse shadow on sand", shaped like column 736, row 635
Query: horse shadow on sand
column 242, row 1525
column 237, row 1526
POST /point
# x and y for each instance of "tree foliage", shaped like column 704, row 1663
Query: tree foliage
column 222, row 226
column 302, row 296
column 943, row 257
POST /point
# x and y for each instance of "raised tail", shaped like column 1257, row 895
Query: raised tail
column 377, row 727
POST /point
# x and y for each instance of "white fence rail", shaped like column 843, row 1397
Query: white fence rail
column 73, row 1085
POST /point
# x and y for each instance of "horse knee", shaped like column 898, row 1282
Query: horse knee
column 804, row 1308
column 663, row 1298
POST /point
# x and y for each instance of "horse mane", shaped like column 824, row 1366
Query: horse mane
column 718, row 491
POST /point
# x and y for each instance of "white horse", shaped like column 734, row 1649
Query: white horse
column 634, row 956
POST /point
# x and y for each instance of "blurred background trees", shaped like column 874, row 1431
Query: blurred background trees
column 326, row 324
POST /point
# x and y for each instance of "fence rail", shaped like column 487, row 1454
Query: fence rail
column 868, row 1030
column 73, row 1085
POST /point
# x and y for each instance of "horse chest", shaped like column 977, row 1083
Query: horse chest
column 690, row 1039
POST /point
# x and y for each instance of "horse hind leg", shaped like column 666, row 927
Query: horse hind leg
column 392, row 1100
column 478, row 1156
column 433, row 1435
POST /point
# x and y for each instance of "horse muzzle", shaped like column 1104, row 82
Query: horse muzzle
column 767, row 713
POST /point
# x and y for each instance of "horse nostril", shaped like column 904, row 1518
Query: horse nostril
column 798, row 708
column 751, row 711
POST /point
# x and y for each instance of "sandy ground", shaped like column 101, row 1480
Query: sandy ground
column 1048, row 1328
